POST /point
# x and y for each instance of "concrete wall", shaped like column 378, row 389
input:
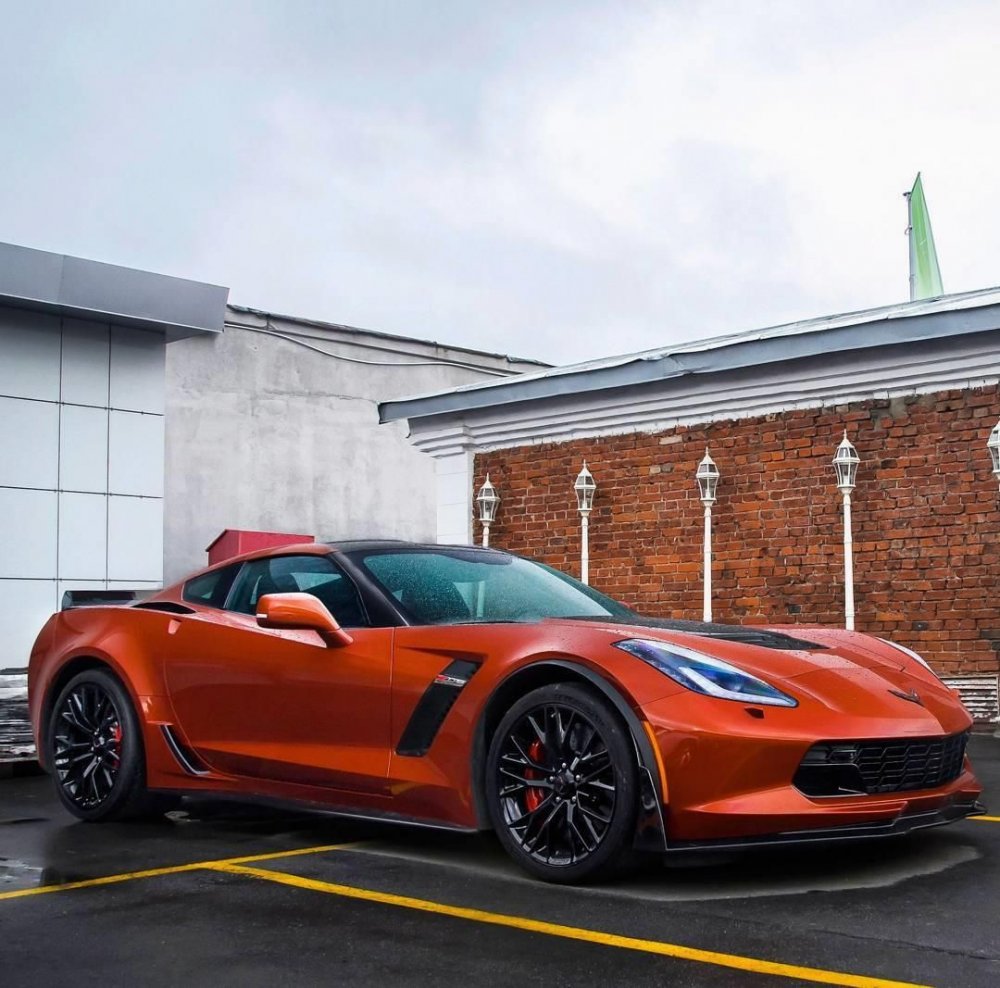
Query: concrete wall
column 267, row 433
column 81, row 466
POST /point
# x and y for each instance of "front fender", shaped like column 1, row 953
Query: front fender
column 650, row 827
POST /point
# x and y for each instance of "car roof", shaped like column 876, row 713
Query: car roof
column 323, row 548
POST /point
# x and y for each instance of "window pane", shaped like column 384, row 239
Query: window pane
column 212, row 588
column 459, row 585
column 316, row 575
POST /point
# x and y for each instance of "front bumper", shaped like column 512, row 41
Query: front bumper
column 727, row 776
column 905, row 823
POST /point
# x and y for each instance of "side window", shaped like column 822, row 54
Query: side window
column 211, row 589
column 317, row 575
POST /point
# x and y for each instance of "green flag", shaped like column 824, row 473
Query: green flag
column 925, row 275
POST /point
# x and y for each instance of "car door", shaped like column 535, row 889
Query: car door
column 280, row 704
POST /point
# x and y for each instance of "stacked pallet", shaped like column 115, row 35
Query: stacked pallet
column 15, row 731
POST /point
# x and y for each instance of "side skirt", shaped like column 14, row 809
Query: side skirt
column 319, row 809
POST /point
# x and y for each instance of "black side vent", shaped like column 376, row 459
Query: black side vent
column 169, row 606
column 430, row 712
column 187, row 759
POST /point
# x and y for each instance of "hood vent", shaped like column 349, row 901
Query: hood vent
column 744, row 634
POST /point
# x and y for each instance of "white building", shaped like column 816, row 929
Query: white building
column 82, row 351
column 273, row 425
column 139, row 417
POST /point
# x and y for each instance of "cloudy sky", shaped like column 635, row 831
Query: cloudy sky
column 553, row 179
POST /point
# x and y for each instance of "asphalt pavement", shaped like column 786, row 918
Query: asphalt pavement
column 221, row 894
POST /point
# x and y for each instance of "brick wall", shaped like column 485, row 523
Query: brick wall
column 926, row 520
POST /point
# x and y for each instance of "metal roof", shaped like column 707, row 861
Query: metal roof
column 74, row 286
column 266, row 315
column 906, row 322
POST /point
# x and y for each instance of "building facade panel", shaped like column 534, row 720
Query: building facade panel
column 136, row 370
column 135, row 539
column 83, row 449
column 135, row 454
column 86, row 355
column 28, row 525
column 31, row 453
column 31, row 355
column 83, row 536
column 58, row 527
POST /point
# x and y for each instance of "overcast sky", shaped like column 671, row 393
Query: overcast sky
column 549, row 179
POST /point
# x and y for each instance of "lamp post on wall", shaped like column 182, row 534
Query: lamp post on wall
column 845, row 462
column 993, row 445
column 708, row 480
column 488, row 500
column 585, row 487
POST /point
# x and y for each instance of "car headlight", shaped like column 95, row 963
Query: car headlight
column 705, row 674
column 911, row 654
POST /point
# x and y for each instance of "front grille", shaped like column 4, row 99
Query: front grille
column 843, row 768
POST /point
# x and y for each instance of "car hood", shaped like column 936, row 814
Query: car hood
column 779, row 653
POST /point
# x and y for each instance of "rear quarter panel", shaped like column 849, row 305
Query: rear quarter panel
column 122, row 638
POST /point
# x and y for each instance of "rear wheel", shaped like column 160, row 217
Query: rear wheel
column 95, row 750
column 561, row 784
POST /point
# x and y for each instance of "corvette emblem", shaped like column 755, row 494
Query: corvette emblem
column 912, row 696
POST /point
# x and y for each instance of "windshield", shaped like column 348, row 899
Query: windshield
column 460, row 586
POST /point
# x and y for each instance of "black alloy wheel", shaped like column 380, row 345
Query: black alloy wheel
column 95, row 750
column 87, row 745
column 562, row 784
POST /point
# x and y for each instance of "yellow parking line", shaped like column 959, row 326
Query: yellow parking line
column 129, row 876
column 569, row 932
column 986, row 819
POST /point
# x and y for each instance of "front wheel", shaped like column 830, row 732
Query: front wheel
column 562, row 784
column 95, row 750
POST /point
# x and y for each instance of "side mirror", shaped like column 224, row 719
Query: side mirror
column 301, row 611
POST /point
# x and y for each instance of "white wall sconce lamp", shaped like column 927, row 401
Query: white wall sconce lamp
column 488, row 501
column 845, row 463
column 993, row 445
column 708, row 482
column 585, row 488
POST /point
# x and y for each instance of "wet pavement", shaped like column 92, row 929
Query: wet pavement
column 423, row 907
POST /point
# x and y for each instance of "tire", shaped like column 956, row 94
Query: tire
column 558, row 823
column 93, row 716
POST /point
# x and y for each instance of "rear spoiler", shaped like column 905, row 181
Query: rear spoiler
column 99, row 598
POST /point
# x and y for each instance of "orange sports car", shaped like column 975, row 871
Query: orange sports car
column 472, row 689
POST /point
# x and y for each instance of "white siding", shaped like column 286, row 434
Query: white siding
column 29, row 367
column 85, row 356
column 83, row 536
column 28, row 521
column 24, row 607
column 83, row 449
column 135, row 539
column 31, row 443
column 81, row 404
column 136, row 454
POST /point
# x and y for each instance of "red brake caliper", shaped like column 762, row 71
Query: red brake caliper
column 116, row 734
column 533, row 797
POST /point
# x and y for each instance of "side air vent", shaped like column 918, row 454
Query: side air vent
column 168, row 606
column 430, row 712
column 186, row 758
